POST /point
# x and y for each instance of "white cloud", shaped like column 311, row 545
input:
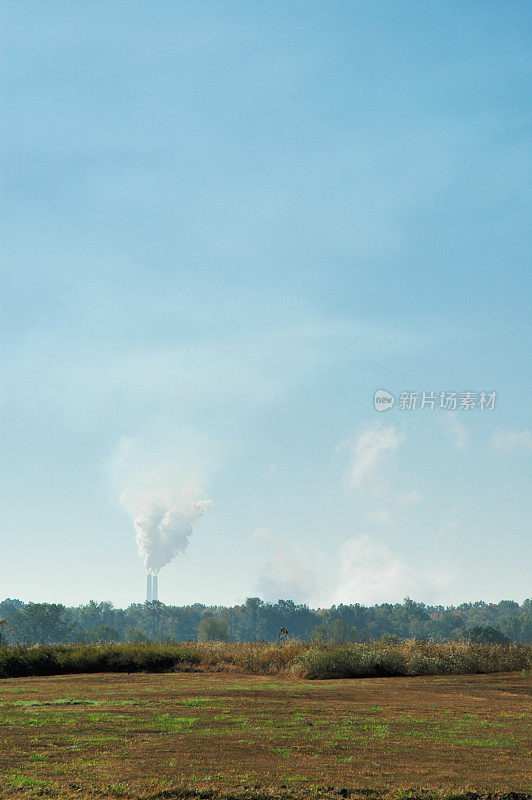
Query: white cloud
column 371, row 573
column 512, row 440
column 360, row 571
column 456, row 430
column 369, row 450
column 369, row 470
column 380, row 516
column 408, row 499
column 290, row 573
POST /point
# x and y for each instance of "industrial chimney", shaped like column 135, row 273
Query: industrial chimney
column 154, row 589
column 149, row 589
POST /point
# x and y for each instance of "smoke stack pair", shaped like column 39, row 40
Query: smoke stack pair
column 152, row 589
column 149, row 588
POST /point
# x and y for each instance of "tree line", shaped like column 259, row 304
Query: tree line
column 256, row 620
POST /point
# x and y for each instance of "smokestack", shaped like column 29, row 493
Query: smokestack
column 149, row 590
column 154, row 589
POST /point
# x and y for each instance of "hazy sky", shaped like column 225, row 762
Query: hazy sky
column 225, row 225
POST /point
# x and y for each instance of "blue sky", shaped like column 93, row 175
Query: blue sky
column 225, row 225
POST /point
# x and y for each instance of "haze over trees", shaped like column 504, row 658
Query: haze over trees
column 255, row 620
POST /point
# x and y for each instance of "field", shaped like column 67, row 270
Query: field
column 177, row 735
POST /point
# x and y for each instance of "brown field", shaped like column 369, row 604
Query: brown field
column 207, row 735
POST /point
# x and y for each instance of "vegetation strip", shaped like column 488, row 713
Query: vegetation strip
column 412, row 657
column 255, row 620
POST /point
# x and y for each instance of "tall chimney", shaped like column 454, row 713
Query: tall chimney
column 149, row 590
column 154, row 589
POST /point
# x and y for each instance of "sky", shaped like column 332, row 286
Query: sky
column 225, row 225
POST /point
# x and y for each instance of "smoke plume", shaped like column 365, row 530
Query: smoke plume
column 163, row 527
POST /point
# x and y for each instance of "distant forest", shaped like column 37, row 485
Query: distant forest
column 255, row 620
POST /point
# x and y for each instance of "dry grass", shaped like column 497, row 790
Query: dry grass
column 412, row 657
column 222, row 735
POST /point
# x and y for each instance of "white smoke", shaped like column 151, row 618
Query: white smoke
column 159, row 473
column 163, row 531
column 163, row 525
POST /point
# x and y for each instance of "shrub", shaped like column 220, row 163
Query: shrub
column 351, row 661
column 411, row 657
column 62, row 659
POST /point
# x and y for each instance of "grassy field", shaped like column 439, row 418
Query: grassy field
column 221, row 735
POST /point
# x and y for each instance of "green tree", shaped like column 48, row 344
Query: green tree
column 214, row 629
column 337, row 631
column 135, row 635
column 155, row 617
column 252, row 614
column 42, row 623
column 94, row 614
column 103, row 634
column 485, row 634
